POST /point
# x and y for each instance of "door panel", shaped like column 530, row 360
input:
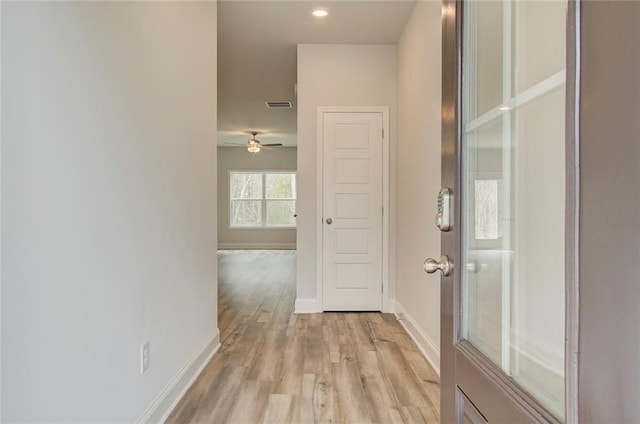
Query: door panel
column 479, row 379
column 352, row 211
column 503, row 314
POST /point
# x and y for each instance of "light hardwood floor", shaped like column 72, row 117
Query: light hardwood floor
column 278, row 367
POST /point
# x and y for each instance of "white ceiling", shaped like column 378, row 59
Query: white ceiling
column 257, row 55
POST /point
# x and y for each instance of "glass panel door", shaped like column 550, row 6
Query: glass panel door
column 513, row 188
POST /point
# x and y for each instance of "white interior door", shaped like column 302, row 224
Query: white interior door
column 352, row 217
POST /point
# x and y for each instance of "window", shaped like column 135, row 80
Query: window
column 486, row 213
column 262, row 199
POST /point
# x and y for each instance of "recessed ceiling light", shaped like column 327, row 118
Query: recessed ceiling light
column 320, row 12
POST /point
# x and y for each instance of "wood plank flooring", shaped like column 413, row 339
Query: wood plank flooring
column 278, row 367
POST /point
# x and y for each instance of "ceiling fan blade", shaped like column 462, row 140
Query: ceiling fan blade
column 272, row 145
column 236, row 144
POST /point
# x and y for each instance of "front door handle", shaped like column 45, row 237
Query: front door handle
column 329, row 221
column 444, row 265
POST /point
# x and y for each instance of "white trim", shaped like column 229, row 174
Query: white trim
column 1, row 201
column 386, row 218
column 319, row 207
column 393, row 305
column 256, row 246
column 166, row 401
column 384, row 110
column 305, row 306
column 427, row 347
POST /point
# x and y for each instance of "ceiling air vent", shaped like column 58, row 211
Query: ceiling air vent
column 278, row 104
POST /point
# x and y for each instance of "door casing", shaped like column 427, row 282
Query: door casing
column 384, row 110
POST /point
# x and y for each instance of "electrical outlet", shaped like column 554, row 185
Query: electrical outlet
column 144, row 357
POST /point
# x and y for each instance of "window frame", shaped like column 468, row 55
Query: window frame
column 263, row 200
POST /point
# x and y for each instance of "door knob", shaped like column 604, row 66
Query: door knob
column 444, row 265
column 329, row 221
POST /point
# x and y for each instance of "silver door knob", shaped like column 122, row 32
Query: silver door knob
column 329, row 221
column 444, row 265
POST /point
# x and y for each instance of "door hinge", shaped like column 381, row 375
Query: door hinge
column 382, row 207
column 383, row 133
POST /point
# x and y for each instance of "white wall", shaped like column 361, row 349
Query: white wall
column 334, row 75
column 231, row 158
column 418, row 175
column 108, row 205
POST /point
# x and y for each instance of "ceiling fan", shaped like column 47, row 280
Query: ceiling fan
column 253, row 145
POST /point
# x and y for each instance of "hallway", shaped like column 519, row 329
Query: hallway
column 278, row 367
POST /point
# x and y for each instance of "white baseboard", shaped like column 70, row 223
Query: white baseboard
column 428, row 348
column 256, row 246
column 305, row 306
column 161, row 407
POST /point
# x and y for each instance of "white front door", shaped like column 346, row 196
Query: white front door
column 352, row 211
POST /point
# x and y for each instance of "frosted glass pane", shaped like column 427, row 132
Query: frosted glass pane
column 537, row 328
column 280, row 186
column 246, row 185
column 539, row 41
column 246, row 213
column 485, row 62
column 280, row 213
column 484, row 253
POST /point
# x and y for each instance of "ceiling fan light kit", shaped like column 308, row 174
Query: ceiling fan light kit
column 254, row 146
